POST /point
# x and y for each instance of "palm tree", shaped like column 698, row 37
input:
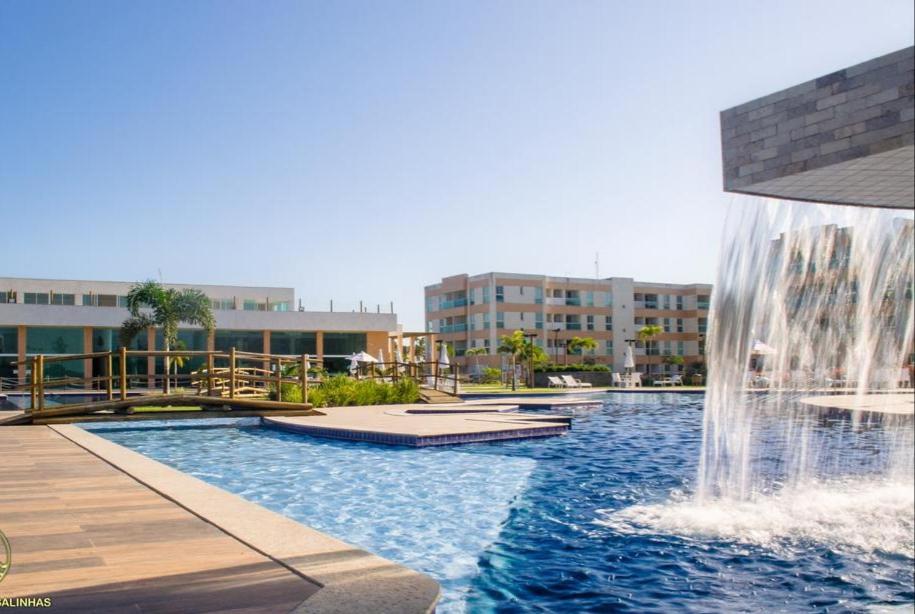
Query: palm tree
column 579, row 345
column 474, row 352
column 647, row 333
column 513, row 345
column 153, row 306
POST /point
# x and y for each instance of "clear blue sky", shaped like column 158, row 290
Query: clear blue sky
column 360, row 150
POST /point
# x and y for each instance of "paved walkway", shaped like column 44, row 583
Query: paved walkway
column 93, row 539
column 901, row 404
column 422, row 425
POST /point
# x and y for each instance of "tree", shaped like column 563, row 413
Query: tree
column 474, row 352
column 513, row 345
column 647, row 333
column 153, row 306
column 579, row 345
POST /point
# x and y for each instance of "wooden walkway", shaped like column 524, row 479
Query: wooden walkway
column 94, row 539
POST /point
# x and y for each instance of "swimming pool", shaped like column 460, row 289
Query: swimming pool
column 538, row 525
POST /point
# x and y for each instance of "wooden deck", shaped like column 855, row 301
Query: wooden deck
column 94, row 539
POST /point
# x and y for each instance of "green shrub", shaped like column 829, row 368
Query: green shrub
column 556, row 368
column 491, row 376
column 343, row 391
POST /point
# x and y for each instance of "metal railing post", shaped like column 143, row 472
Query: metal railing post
column 33, row 387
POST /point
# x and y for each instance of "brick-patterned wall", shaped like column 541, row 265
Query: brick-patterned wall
column 854, row 112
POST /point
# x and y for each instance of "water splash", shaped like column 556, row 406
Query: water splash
column 828, row 290
column 824, row 295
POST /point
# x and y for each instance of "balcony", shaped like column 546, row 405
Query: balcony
column 704, row 305
column 573, row 325
column 453, row 328
column 460, row 302
column 572, row 301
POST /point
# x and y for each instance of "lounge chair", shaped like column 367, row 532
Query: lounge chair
column 905, row 378
column 616, row 380
column 554, row 382
column 635, row 379
column 571, row 382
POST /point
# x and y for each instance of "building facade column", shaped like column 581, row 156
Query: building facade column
column 319, row 346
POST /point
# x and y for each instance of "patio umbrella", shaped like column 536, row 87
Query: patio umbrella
column 443, row 356
column 629, row 362
column 398, row 357
column 381, row 355
column 355, row 359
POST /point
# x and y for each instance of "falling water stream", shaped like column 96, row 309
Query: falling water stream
column 809, row 300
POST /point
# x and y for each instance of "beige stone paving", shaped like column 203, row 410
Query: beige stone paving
column 397, row 419
column 890, row 403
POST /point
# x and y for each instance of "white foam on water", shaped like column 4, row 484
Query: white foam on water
column 859, row 516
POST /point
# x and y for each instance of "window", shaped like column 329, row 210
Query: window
column 9, row 341
column 538, row 295
column 486, row 322
column 106, row 300
column 486, row 295
column 609, row 324
column 666, row 325
column 539, row 320
column 590, row 299
column 590, row 322
column 679, row 325
column 249, row 305
column 40, row 340
column 610, row 347
column 7, row 297
column 500, row 319
column 703, row 325
column 241, row 340
column 679, row 348
column 63, row 299
column 223, row 304
column 279, row 306
column 293, row 343
column 122, row 302
column 679, row 302
column 37, row 298
column 88, row 300
column 500, row 294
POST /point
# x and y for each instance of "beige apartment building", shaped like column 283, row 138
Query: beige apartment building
column 469, row 311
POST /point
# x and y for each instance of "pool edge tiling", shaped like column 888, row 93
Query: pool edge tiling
column 350, row 579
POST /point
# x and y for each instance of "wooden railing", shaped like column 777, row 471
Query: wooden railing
column 427, row 374
column 227, row 374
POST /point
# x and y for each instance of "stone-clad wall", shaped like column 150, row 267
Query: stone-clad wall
column 851, row 113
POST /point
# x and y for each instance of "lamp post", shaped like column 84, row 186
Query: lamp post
column 530, row 357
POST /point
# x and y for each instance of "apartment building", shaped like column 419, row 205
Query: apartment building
column 469, row 311
column 52, row 316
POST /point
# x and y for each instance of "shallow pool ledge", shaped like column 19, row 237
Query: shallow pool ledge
column 350, row 579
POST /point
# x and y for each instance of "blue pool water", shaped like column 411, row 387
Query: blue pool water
column 596, row 520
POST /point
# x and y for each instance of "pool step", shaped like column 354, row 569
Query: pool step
column 436, row 397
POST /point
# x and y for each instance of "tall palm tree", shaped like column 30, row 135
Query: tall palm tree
column 579, row 345
column 513, row 345
column 646, row 334
column 153, row 306
column 474, row 352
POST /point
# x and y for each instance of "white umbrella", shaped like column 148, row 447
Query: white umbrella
column 629, row 362
column 443, row 356
column 398, row 357
column 363, row 357
column 761, row 348
column 381, row 355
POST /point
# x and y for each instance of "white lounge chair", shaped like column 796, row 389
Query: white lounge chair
column 635, row 379
column 554, row 382
column 616, row 380
column 571, row 382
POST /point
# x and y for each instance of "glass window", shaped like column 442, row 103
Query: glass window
column 500, row 319
column 88, row 300
column 63, row 299
column 293, row 343
column 241, row 340
column 41, row 340
column 106, row 300
column 590, row 322
column 500, row 294
column 37, row 298
column 344, row 344
column 250, row 305
column 486, row 295
column 281, row 306
column 7, row 297
column 609, row 324
column 9, row 341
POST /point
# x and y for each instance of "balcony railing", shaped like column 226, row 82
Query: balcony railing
column 573, row 325
column 460, row 302
column 575, row 302
column 453, row 328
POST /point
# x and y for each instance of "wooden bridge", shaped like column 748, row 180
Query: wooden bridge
column 228, row 383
